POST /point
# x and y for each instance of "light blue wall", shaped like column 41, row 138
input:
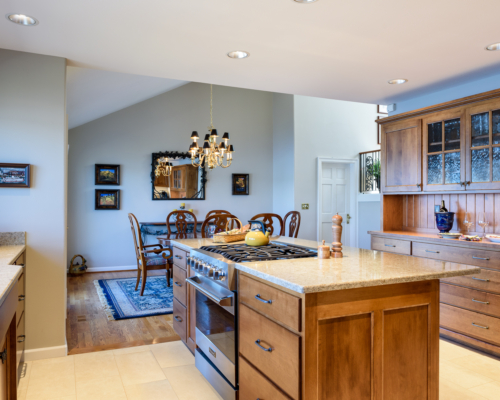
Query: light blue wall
column 456, row 92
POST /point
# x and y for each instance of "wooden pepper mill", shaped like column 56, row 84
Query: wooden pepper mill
column 323, row 251
column 337, row 235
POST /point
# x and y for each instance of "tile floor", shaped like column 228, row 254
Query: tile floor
column 166, row 371
column 162, row 371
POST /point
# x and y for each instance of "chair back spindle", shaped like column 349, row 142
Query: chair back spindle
column 182, row 224
column 293, row 227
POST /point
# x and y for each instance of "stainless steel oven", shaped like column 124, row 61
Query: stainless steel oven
column 216, row 323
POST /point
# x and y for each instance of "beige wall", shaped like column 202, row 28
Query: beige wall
column 164, row 123
column 33, row 130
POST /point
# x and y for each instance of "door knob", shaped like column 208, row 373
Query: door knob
column 348, row 218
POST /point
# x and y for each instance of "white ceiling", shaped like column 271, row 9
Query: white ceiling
column 335, row 49
column 93, row 93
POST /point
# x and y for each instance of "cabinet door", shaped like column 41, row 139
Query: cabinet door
column 191, row 341
column 444, row 151
column 3, row 373
column 402, row 157
column 483, row 146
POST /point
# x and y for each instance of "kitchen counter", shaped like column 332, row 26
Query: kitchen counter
column 358, row 268
column 11, row 247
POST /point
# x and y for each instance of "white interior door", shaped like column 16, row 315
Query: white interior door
column 335, row 191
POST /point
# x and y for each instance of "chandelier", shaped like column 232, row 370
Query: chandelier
column 211, row 153
column 163, row 167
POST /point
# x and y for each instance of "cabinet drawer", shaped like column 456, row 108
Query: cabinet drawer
column 471, row 299
column 273, row 349
column 272, row 302
column 477, row 257
column 20, row 298
column 19, row 260
column 391, row 245
column 179, row 282
column 179, row 257
column 470, row 323
column 180, row 319
column 487, row 280
column 253, row 385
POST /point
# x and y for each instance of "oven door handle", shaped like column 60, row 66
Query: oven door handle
column 226, row 301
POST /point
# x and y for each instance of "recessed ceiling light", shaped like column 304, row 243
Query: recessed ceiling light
column 21, row 19
column 238, row 54
column 398, row 81
column 493, row 47
column 305, row 1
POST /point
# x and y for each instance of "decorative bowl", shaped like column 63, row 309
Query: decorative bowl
column 444, row 221
column 494, row 238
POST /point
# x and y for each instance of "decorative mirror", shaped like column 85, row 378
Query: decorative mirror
column 180, row 179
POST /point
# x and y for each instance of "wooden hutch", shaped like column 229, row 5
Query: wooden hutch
column 450, row 152
column 182, row 182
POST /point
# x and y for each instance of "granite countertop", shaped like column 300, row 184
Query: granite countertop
column 11, row 247
column 358, row 268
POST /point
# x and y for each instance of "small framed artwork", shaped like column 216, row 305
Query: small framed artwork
column 14, row 175
column 106, row 174
column 381, row 109
column 379, row 132
column 241, row 184
column 107, row 199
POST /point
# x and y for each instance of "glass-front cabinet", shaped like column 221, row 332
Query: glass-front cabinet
column 483, row 147
column 444, row 151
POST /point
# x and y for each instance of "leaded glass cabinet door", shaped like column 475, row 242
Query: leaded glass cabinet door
column 483, row 147
column 444, row 151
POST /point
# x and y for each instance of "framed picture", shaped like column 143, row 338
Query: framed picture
column 106, row 174
column 14, row 175
column 381, row 109
column 107, row 199
column 379, row 132
column 241, row 184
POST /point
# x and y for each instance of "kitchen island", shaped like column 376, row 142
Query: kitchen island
column 365, row 326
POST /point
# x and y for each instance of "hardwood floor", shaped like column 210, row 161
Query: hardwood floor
column 88, row 328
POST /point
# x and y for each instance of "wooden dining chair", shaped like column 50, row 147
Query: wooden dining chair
column 213, row 212
column 220, row 222
column 267, row 219
column 294, row 225
column 181, row 224
column 147, row 255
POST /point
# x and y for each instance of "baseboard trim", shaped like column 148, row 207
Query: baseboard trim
column 113, row 269
column 45, row 352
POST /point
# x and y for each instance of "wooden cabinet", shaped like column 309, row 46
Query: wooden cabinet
column 444, row 151
column 470, row 309
column 183, row 182
column 483, row 146
column 365, row 343
column 184, row 300
column 391, row 245
column 402, row 157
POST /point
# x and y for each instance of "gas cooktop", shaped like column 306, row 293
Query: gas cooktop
column 273, row 251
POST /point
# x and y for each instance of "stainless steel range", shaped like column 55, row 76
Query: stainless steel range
column 216, row 310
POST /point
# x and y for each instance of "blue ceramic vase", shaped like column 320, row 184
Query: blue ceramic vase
column 444, row 221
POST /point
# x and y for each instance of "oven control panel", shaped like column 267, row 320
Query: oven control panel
column 213, row 266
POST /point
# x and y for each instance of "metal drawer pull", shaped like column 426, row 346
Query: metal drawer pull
column 482, row 302
column 21, row 338
column 432, row 251
column 261, row 299
column 22, row 297
column 479, row 279
column 178, row 319
column 389, row 245
column 178, row 257
column 480, row 326
column 257, row 342
column 177, row 284
column 481, row 258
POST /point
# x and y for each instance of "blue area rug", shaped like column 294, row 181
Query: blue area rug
column 121, row 301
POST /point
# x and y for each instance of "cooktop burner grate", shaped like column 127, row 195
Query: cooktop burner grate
column 273, row 251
